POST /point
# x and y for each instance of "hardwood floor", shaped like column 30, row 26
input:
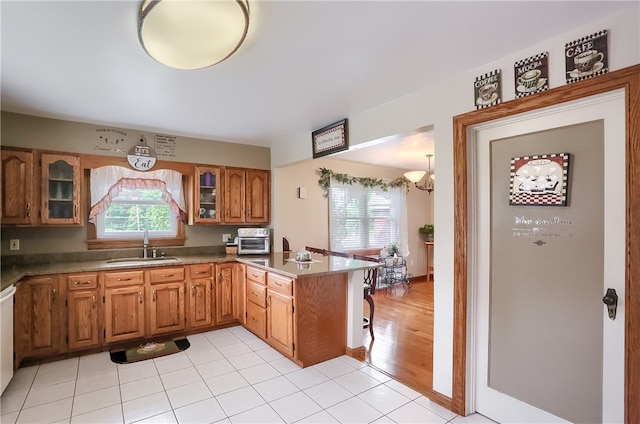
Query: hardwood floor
column 403, row 329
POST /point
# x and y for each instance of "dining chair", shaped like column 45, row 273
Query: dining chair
column 334, row 253
column 316, row 250
column 370, row 283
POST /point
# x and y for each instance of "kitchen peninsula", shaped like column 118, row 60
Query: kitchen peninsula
column 326, row 303
column 309, row 311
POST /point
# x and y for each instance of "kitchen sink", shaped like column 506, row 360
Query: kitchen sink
column 137, row 260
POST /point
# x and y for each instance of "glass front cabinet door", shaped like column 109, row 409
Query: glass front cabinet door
column 60, row 190
column 207, row 202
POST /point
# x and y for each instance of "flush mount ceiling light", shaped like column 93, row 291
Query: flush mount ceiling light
column 415, row 176
column 192, row 34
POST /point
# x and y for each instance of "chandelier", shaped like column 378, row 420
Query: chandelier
column 192, row 34
column 416, row 176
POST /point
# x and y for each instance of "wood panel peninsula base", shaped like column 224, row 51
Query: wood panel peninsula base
column 325, row 319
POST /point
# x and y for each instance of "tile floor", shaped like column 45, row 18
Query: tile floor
column 227, row 376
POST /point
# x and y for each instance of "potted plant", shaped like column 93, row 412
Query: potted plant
column 426, row 231
column 394, row 249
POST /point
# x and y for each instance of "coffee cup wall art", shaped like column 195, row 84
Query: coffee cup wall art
column 531, row 75
column 487, row 89
column 586, row 57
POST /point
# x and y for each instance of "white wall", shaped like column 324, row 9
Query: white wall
column 436, row 105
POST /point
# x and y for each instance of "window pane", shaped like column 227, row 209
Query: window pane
column 134, row 211
column 360, row 218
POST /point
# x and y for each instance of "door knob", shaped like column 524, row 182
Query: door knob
column 611, row 300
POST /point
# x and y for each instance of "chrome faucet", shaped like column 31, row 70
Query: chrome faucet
column 145, row 243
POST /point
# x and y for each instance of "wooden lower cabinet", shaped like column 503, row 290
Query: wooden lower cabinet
column 124, row 313
column 226, row 306
column 256, row 320
column 73, row 312
column 165, row 288
column 280, row 321
column 200, row 294
column 37, row 317
column 166, row 308
column 83, row 311
column 124, row 305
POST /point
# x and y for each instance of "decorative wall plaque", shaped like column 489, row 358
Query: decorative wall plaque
column 586, row 57
column 330, row 139
column 487, row 89
column 539, row 180
column 141, row 157
column 531, row 75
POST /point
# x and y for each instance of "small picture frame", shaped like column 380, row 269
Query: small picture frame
column 531, row 75
column 487, row 89
column 330, row 139
column 586, row 57
column 539, row 180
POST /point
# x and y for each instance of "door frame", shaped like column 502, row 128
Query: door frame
column 627, row 79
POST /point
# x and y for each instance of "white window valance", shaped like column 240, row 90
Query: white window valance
column 108, row 181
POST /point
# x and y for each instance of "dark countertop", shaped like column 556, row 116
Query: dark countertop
column 284, row 263
column 280, row 262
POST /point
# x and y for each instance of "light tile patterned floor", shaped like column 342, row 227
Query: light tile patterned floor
column 227, row 376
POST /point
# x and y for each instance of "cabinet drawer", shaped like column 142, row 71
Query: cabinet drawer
column 162, row 275
column 82, row 281
column 280, row 284
column 257, row 320
column 201, row 271
column 124, row 278
column 257, row 293
column 256, row 275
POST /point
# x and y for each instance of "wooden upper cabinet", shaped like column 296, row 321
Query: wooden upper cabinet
column 61, row 176
column 208, row 195
column 247, row 195
column 17, row 187
column 257, row 196
column 234, row 194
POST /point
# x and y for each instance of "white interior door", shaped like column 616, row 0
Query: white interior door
column 511, row 404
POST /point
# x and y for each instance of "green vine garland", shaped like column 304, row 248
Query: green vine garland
column 326, row 175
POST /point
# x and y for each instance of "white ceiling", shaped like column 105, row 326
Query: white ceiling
column 304, row 65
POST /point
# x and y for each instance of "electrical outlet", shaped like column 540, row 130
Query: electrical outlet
column 14, row 244
column 226, row 238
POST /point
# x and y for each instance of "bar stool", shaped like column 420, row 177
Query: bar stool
column 370, row 283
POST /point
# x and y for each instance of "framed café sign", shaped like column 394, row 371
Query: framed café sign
column 487, row 89
column 330, row 139
column 141, row 157
column 539, row 180
column 531, row 75
column 586, row 57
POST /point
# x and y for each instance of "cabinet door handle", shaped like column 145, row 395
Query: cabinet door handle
column 124, row 279
column 93, row 299
column 53, row 298
column 28, row 210
column 154, row 295
column 81, row 282
column 75, row 211
column 166, row 275
column 268, row 300
column 193, row 291
column 277, row 284
column 254, row 293
column 140, row 296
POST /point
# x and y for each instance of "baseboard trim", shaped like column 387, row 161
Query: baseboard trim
column 357, row 353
